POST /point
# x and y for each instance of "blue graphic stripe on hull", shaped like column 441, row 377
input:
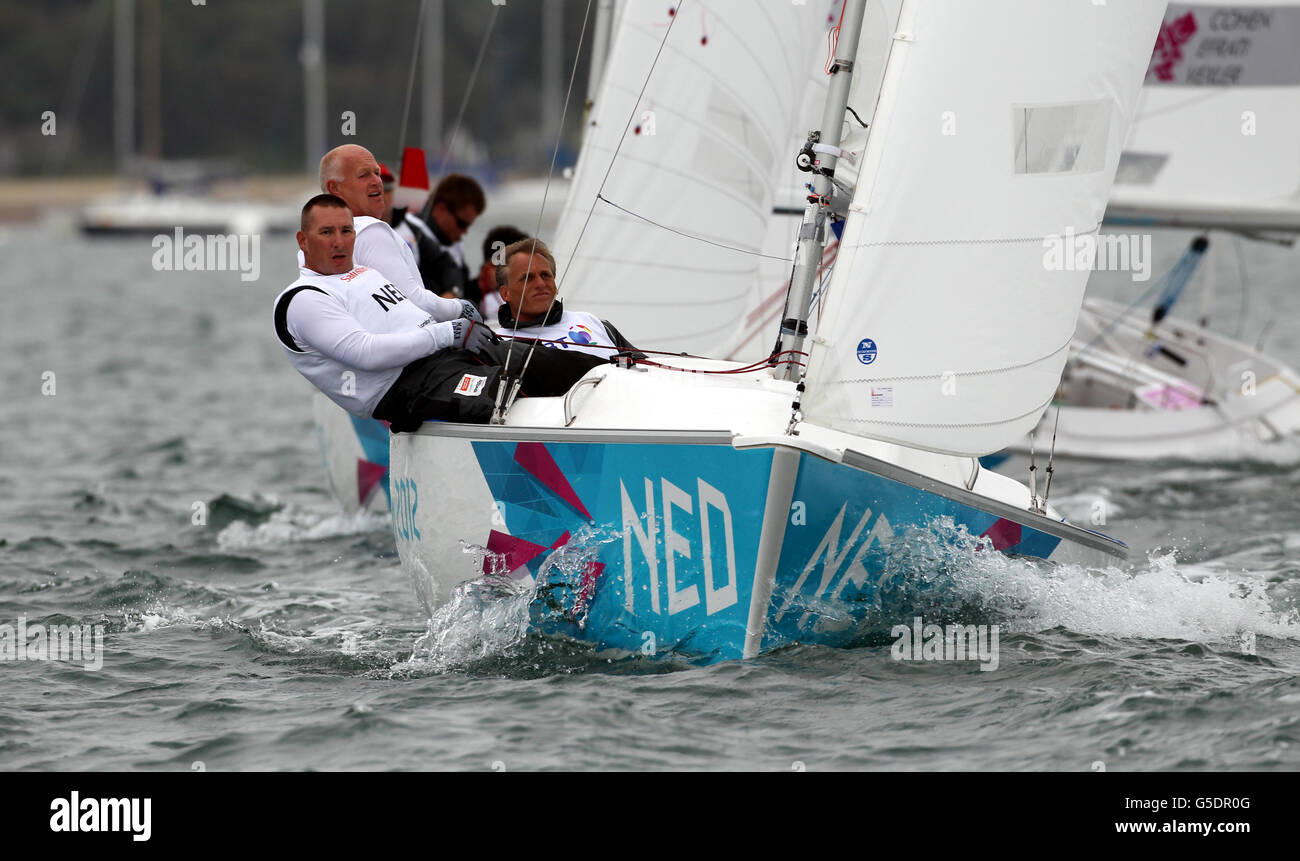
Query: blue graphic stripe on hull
column 660, row 542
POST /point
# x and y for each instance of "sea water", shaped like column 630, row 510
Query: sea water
column 160, row 480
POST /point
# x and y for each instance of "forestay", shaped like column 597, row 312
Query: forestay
column 1216, row 139
column 700, row 160
column 999, row 127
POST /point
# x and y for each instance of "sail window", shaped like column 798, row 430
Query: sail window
column 1066, row 138
column 734, row 143
column 1139, row 168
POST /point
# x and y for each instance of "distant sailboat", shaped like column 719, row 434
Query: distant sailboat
column 1215, row 146
column 701, row 509
column 179, row 191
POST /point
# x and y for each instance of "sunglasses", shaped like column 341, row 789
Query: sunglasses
column 462, row 223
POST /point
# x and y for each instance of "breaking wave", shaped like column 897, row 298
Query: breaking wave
column 944, row 572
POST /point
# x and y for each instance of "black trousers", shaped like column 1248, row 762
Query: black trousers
column 459, row 386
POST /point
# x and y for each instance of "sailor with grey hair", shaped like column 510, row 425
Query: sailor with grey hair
column 352, row 173
column 531, row 310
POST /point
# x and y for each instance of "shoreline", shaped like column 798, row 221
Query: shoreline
column 31, row 199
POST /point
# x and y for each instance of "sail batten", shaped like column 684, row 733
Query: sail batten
column 997, row 133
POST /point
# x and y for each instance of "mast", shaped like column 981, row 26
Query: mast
column 124, row 84
column 552, row 69
column 431, row 77
column 819, row 157
column 313, row 73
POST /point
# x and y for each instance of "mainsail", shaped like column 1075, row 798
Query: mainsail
column 1216, row 138
column 998, row 132
column 678, row 265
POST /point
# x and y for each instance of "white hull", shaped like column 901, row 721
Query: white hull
column 163, row 214
column 721, row 536
column 1119, row 400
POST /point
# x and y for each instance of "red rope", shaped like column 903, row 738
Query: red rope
column 747, row 369
column 754, row 366
column 833, row 39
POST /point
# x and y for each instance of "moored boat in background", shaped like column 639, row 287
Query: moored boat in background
column 1216, row 147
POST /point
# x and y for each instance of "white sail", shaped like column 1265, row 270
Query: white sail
column 1216, row 139
column 999, row 128
column 697, row 170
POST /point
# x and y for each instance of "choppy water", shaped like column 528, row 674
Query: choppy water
column 278, row 634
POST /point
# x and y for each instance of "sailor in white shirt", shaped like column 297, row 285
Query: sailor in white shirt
column 532, row 311
column 349, row 331
column 351, row 173
column 346, row 328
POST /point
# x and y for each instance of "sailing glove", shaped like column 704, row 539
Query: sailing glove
column 469, row 311
column 471, row 335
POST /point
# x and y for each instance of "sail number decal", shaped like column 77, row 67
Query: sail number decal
column 406, row 499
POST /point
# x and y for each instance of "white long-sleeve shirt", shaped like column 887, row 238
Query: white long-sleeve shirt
column 379, row 247
column 351, row 335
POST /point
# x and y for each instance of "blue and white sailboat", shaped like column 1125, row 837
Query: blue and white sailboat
column 722, row 510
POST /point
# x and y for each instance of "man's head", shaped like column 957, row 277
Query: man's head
column 494, row 246
column 454, row 205
column 527, row 279
column 327, row 236
column 351, row 172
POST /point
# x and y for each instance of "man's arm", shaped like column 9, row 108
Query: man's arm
column 379, row 248
column 316, row 320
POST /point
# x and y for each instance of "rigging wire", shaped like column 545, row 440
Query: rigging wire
column 785, row 308
column 498, row 413
column 410, row 79
column 1115, row 321
column 1051, row 455
column 671, row 21
column 469, row 89
column 1245, row 287
column 1033, row 474
column 601, row 197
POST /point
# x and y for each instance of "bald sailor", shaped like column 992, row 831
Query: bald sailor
column 351, row 173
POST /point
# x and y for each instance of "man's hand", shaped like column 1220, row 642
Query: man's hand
column 471, row 335
column 470, row 312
